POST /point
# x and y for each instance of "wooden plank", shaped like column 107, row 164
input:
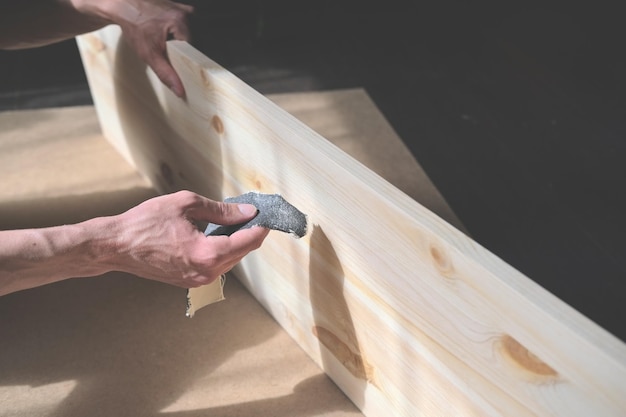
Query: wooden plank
column 350, row 120
column 408, row 315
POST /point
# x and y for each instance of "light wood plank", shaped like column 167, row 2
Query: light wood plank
column 408, row 315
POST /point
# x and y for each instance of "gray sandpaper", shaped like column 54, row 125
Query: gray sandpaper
column 274, row 212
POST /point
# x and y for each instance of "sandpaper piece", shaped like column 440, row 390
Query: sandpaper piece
column 274, row 212
column 203, row 296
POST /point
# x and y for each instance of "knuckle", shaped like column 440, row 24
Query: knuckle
column 186, row 195
column 198, row 282
column 214, row 259
column 187, row 198
column 209, row 259
column 224, row 209
column 199, row 276
column 202, row 276
column 255, row 244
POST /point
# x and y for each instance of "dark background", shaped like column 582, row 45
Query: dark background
column 516, row 112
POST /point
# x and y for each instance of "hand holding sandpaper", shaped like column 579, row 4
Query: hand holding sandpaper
column 274, row 212
column 157, row 239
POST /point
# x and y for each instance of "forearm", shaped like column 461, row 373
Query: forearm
column 146, row 25
column 157, row 240
column 28, row 24
column 34, row 257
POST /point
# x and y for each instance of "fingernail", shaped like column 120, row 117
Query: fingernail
column 247, row 209
column 178, row 91
column 175, row 87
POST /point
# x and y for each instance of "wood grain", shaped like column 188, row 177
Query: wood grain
column 405, row 313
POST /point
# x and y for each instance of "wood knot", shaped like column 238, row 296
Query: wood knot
column 217, row 125
column 256, row 182
column 349, row 356
column 442, row 261
column 523, row 359
column 205, row 78
column 94, row 42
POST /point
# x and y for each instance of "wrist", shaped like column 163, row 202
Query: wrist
column 112, row 11
column 100, row 245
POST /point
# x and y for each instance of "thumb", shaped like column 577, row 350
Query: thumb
column 223, row 213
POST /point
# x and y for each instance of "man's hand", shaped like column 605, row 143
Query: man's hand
column 159, row 239
column 147, row 25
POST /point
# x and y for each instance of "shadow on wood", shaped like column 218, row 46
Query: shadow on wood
column 157, row 150
column 333, row 325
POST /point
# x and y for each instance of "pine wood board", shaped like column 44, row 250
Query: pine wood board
column 408, row 315
column 350, row 120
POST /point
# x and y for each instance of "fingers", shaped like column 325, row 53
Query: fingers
column 156, row 57
column 218, row 212
column 228, row 251
column 160, row 63
column 180, row 29
column 244, row 241
column 147, row 30
column 166, row 73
